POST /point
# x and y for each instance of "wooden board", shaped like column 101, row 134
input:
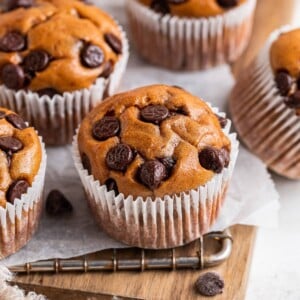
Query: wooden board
column 167, row 284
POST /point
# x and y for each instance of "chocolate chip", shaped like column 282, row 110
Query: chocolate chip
column 226, row 156
column 51, row 92
column 223, row 121
column 13, row 76
column 107, row 69
column 16, row 121
column 16, row 189
column 86, row 163
column 14, row 4
column 177, row 1
column 91, row 56
column 210, row 284
column 114, row 42
column 105, row 128
column 36, row 61
column 9, row 143
column 2, row 114
column 57, row 204
column 169, row 163
column 112, row 185
column 160, row 6
column 284, row 82
column 154, row 113
column 12, row 41
column 119, row 157
column 212, row 159
column 227, row 3
column 9, row 155
column 294, row 100
column 152, row 173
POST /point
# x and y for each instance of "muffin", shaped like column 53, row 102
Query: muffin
column 22, row 173
column 190, row 34
column 155, row 165
column 265, row 103
column 58, row 59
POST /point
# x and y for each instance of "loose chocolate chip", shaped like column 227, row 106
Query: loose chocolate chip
column 57, row 204
column 169, row 163
column 177, row 1
column 107, row 69
column 16, row 121
column 12, row 41
column 9, row 143
column 86, row 163
column 13, row 76
column 294, row 100
column 51, row 92
column 152, row 173
column 91, row 56
column 227, row 3
column 284, row 82
column 154, row 113
column 210, row 284
column 105, row 128
column 2, row 114
column 223, row 121
column 112, row 185
column 160, row 6
column 14, row 4
column 119, row 157
column 36, row 61
column 16, row 189
column 212, row 159
column 114, row 42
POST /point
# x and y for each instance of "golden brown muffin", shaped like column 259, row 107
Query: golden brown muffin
column 284, row 58
column 192, row 8
column 20, row 156
column 54, row 46
column 153, row 141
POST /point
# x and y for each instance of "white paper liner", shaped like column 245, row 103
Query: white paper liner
column 57, row 118
column 161, row 223
column 190, row 43
column 269, row 128
column 19, row 221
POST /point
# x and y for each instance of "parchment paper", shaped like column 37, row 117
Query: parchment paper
column 252, row 198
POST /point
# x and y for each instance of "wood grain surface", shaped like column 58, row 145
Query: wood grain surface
column 270, row 15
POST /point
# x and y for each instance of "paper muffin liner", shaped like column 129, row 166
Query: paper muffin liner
column 190, row 43
column 161, row 222
column 57, row 118
column 19, row 221
column 268, row 127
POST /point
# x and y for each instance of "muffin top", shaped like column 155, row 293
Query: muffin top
column 153, row 141
column 20, row 156
column 285, row 62
column 192, row 8
column 54, row 46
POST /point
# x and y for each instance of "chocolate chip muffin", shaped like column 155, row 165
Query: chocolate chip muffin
column 59, row 48
column 190, row 34
column 22, row 168
column 265, row 103
column 192, row 8
column 153, row 143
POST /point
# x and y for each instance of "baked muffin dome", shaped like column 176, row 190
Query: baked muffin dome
column 54, row 46
column 153, row 141
column 284, row 58
column 192, row 8
column 20, row 156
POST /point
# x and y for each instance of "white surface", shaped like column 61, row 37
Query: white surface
column 275, row 270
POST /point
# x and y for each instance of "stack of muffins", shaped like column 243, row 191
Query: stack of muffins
column 155, row 162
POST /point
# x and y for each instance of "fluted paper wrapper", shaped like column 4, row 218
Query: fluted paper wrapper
column 161, row 222
column 190, row 43
column 19, row 221
column 57, row 118
column 268, row 127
